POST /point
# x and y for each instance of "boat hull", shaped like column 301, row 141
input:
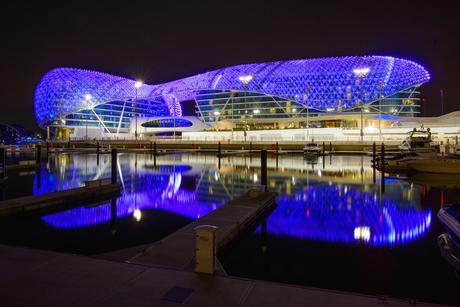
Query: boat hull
column 441, row 165
column 449, row 217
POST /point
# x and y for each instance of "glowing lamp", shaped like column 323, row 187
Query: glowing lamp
column 138, row 84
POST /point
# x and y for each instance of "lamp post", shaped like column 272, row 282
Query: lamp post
column 361, row 73
column 245, row 80
column 137, row 85
column 307, row 89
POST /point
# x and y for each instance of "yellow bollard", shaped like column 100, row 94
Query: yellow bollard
column 205, row 256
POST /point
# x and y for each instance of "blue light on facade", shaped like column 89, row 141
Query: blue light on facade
column 276, row 89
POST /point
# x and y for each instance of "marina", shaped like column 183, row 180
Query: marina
column 325, row 207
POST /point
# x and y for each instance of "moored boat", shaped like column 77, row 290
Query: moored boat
column 439, row 165
column 419, row 141
column 312, row 149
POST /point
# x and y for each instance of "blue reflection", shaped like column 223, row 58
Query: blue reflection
column 317, row 210
column 156, row 193
column 144, row 187
column 345, row 214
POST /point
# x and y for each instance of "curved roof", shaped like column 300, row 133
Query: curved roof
column 321, row 83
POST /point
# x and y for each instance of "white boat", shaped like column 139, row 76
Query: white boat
column 439, row 165
column 312, row 149
column 419, row 141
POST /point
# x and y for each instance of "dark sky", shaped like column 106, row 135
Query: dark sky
column 160, row 41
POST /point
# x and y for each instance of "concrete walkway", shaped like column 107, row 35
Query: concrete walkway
column 42, row 278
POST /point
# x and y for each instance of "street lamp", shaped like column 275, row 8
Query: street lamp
column 361, row 73
column 381, row 85
column 137, row 85
column 245, row 80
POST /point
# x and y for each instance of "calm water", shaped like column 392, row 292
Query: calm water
column 332, row 227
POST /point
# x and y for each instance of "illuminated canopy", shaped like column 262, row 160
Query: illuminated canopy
column 322, row 84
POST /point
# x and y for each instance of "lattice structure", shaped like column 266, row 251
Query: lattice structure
column 321, row 84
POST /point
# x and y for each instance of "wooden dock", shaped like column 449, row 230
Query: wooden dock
column 177, row 250
column 21, row 167
column 58, row 199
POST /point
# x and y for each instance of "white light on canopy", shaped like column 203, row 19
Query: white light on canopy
column 361, row 72
column 245, row 79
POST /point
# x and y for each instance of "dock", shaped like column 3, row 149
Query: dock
column 23, row 166
column 45, row 278
column 177, row 251
column 93, row 191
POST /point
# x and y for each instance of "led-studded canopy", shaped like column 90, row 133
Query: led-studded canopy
column 283, row 89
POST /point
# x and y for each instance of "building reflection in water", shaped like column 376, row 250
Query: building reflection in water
column 332, row 205
column 345, row 214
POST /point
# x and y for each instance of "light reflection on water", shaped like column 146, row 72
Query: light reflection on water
column 333, row 202
column 338, row 213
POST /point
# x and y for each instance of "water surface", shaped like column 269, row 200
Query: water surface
column 332, row 228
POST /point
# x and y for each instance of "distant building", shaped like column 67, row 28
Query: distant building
column 81, row 103
column 16, row 135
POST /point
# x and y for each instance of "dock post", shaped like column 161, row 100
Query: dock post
column 97, row 148
column 38, row 155
column 330, row 147
column 151, row 146
column 114, row 165
column 263, row 235
column 47, row 148
column 2, row 164
column 324, row 148
column 382, row 177
column 276, row 148
column 218, row 149
column 205, row 256
column 250, row 147
column 374, row 161
column 263, row 168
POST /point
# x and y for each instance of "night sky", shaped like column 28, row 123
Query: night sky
column 160, row 41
